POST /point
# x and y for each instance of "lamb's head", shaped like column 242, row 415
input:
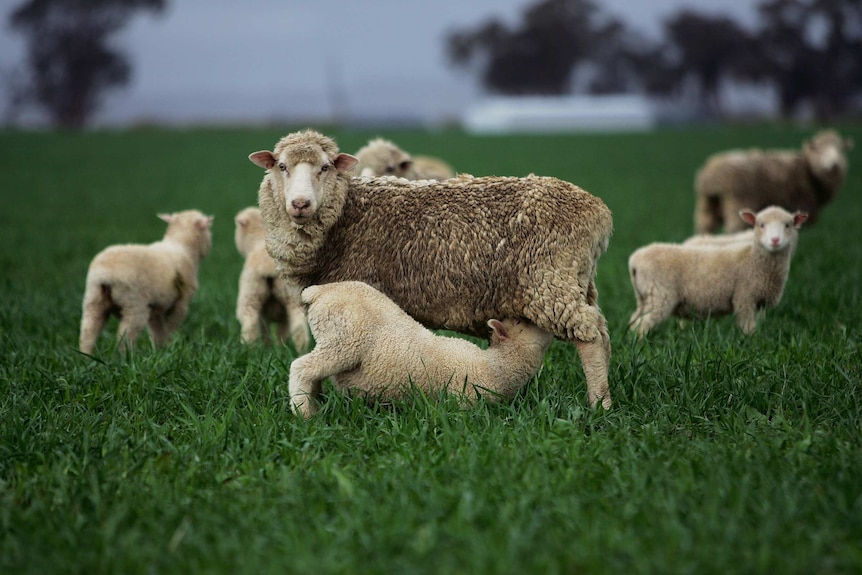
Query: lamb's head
column 190, row 228
column 249, row 230
column 383, row 158
column 302, row 169
column 775, row 229
column 825, row 155
column 520, row 332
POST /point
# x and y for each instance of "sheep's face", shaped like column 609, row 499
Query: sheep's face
column 382, row 158
column 774, row 227
column 518, row 331
column 825, row 154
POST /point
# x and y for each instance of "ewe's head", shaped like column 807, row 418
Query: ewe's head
column 520, row 332
column 249, row 230
column 775, row 228
column 825, row 154
column 191, row 228
column 383, row 158
column 300, row 167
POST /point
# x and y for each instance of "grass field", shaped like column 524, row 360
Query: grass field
column 723, row 453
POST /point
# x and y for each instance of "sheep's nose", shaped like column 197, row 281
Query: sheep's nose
column 300, row 203
column 775, row 241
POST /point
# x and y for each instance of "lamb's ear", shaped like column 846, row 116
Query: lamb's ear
column 344, row 162
column 166, row 217
column 241, row 221
column 748, row 217
column 263, row 158
column 205, row 222
column 405, row 165
column 799, row 218
column 498, row 327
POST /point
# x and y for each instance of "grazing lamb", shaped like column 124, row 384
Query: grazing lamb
column 453, row 254
column 146, row 285
column 264, row 297
column 803, row 180
column 367, row 344
column 686, row 281
column 383, row 158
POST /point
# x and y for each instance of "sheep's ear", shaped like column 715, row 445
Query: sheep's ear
column 799, row 218
column 344, row 162
column 263, row 158
column 405, row 165
column 498, row 327
column 241, row 220
column 166, row 217
column 748, row 217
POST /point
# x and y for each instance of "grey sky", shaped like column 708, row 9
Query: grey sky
column 259, row 60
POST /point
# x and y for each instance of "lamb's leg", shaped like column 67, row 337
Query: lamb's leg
column 133, row 320
column 298, row 328
column 746, row 317
column 248, row 311
column 175, row 317
column 95, row 314
column 308, row 372
column 157, row 328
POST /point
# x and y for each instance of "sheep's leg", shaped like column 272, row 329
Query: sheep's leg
column 707, row 215
column 157, row 328
column 175, row 317
column 133, row 320
column 93, row 319
column 746, row 317
column 308, row 372
column 730, row 211
column 595, row 364
column 298, row 328
column 248, row 311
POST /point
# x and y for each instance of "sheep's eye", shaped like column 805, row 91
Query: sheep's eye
column 324, row 167
column 762, row 225
column 786, row 226
column 282, row 167
column 389, row 169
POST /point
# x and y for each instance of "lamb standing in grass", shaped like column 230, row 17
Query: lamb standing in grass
column 146, row 285
column 264, row 297
column 673, row 279
column 453, row 254
column 366, row 343
column 803, row 180
column 383, row 158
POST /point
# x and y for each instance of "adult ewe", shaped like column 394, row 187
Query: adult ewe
column 453, row 254
column 803, row 180
column 146, row 285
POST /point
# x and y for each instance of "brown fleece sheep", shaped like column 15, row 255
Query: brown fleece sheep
column 453, row 254
column 803, row 180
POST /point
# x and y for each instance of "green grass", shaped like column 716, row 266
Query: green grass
column 723, row 453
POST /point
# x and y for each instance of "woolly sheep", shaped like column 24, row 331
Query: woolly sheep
column 366, row 343
column 685, row 281
column 720, row 240
column 802, row 180
column 383, row 158
column 453, row 254
column 146, row 285
column 264, row 297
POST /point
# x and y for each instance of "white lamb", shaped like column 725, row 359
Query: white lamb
column 146, row 285
column 264, row 297
column 686, row 281
column 367, row 344
column 381, row 157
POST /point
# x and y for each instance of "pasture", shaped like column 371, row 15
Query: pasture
column 723, row 453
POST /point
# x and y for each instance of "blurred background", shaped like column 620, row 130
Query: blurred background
column 485, row 65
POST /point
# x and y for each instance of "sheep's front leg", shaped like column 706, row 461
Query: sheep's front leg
column 308, row 372
column 595, row 360
column 746, row 318
column 249, row 309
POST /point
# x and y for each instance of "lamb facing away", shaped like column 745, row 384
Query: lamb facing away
column 264, row 297
column 453, row 254
column 367, row 344
column 381, row 157
column 691, row 280
column 802, row 180
column 146, row 285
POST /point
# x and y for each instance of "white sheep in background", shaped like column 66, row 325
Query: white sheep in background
column 264, row 297
column 146, row 285
column 686, row 281
column 381, row 157
column 366, row 343
column 453, row 254
column 802, row 180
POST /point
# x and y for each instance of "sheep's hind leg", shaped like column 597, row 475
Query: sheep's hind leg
column 308, row 372
column 133, row 320
column 93, row 319
column 595, row 364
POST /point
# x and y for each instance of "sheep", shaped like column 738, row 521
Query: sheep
column 453, row 254
column 691, row 280
column 720, row 240
column 381, row 157
column 146, row 285
column 264, row 297
column 802, row 180
column 366, row 343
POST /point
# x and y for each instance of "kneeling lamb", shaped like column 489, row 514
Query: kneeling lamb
column 366, row 343
column 803, row 180
column 453, row 254
column 146, row 285
column 688, row 280
column 264, row 297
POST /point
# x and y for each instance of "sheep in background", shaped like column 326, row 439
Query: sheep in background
column 366, row 343
column 146, row 285
column 383, row 158
column 804, row 180
column 686, row 281
column 453, row 254
column 264, row 297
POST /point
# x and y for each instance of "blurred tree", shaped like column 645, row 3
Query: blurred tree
column 540, row 56
column 70, row 63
